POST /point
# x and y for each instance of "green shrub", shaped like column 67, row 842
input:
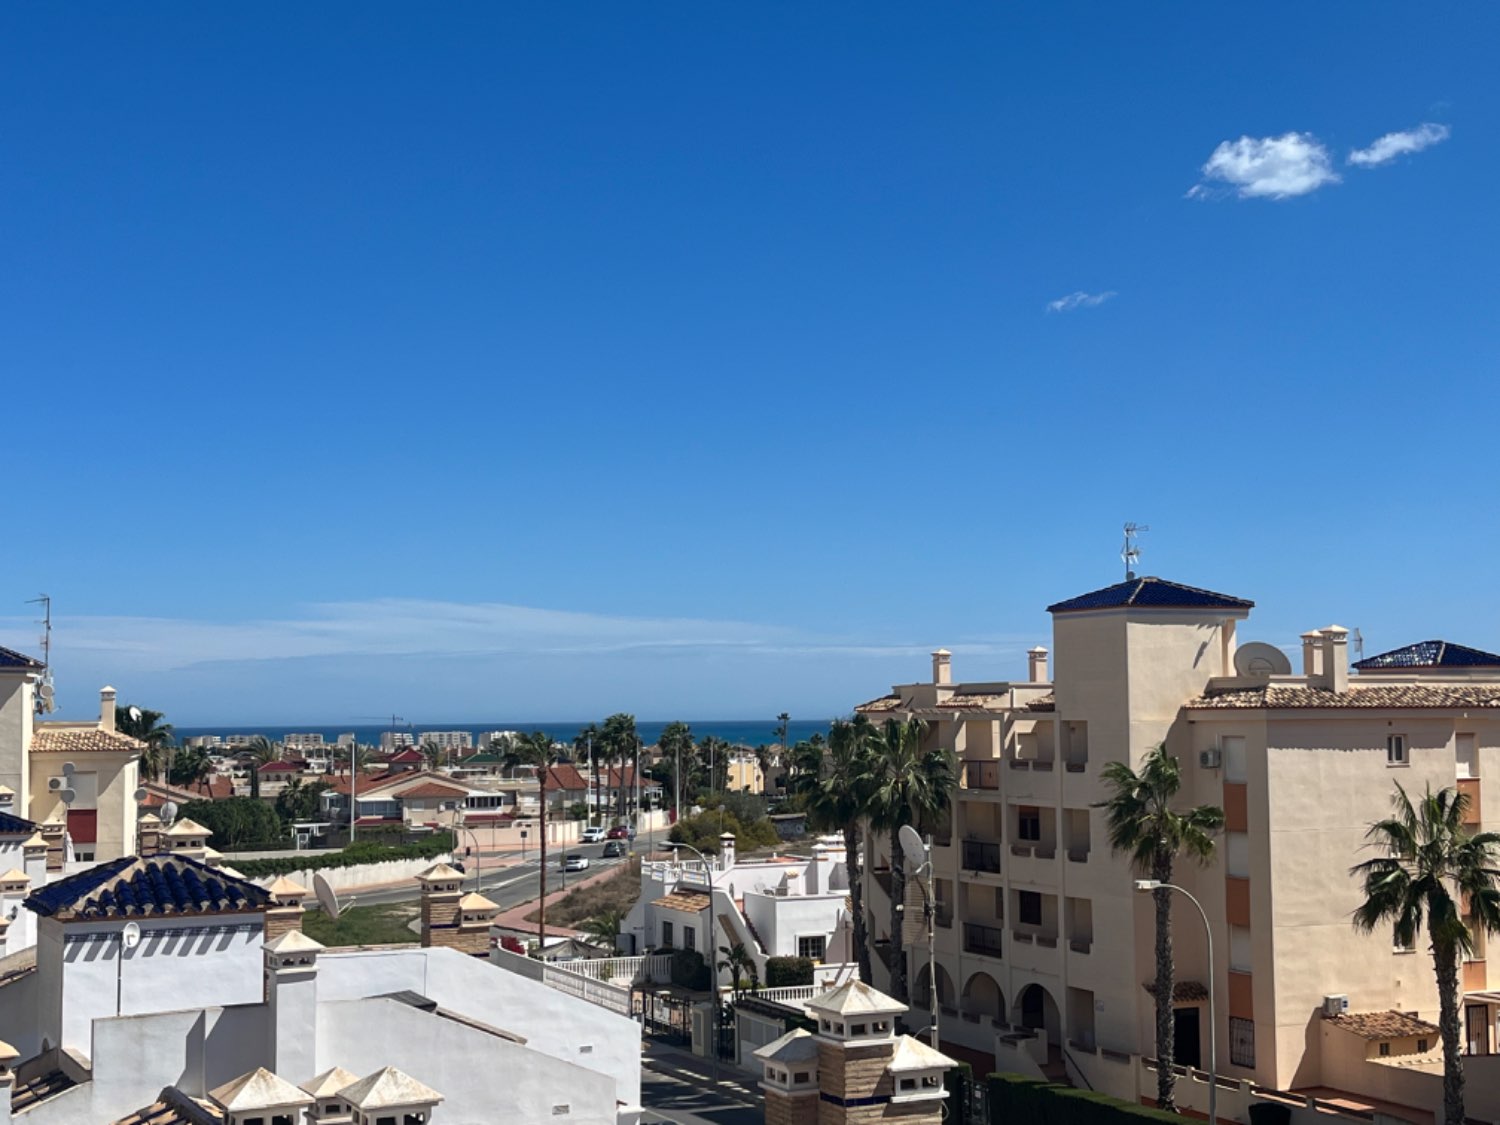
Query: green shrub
column 1015, row 1097
column 788, row 972
column 690, row 970
column 237, row 822
column 957, row 1082
column 355, row 855
column 702, row 832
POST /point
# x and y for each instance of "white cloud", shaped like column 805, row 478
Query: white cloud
column 1267, row 167
column 1079, row 300
column 1392, row 145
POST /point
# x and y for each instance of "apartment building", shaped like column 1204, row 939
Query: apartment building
column 1038, row 925
column 447, row 739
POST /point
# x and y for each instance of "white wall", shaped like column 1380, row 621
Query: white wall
column 551, row 1022
column 482, row 1077
column 363, row 875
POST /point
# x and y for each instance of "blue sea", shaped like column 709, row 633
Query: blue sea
column 734, row 731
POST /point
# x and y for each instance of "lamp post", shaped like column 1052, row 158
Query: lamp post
column 461, row 825
column 1149, row 886
column 713, row 968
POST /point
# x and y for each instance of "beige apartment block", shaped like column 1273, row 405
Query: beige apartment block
column 1039, row 929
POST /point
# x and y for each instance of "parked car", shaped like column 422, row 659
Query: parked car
column 614, row 849
column 576, row 863
column 620, row 832
column 593, row 834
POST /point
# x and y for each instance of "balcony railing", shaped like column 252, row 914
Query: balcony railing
column 982, row 775
column 1081, row 944
column 979, row 856
column 1078, row 855
column 986, row 940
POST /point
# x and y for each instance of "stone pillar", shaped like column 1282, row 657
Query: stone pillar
column 440, row 912
column 292, row 996
column 187, row 838
column 285, row 915
column 55, row 833
column 149, row 828
column 475, row 912
column 34, row 859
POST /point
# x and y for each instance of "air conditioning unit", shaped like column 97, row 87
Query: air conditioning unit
column 56, row 783
column 1210, row 759
column 1335, row 1005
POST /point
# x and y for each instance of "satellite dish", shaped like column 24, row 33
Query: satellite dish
column 130, row 936
column 68, row 768
column 67, row 796
column 135, row 714
column 326, row 898
column 1261, row 661
column 914, row 847
column 168, row 812
column 140, row 795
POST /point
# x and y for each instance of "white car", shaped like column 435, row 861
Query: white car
column 593, row 835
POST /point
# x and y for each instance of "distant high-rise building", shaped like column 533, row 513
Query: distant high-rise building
column 395, row 740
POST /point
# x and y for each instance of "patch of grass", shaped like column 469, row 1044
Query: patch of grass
column 364, row 925
column 618, row 892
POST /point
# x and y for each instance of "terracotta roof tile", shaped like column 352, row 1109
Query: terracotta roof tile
column 82, row 740
column 884, row 703
column 691, row 901
column 1395, row 697
column 432, row 789
column 975, row 703
column 1384, row 1025
column 1046, row 702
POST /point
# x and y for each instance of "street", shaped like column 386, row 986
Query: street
column 677, row 1089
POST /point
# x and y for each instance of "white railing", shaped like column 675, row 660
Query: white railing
column 655, row 967
column 605, row 995
column 791, row 995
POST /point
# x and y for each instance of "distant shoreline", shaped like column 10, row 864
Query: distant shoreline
column 753, row 732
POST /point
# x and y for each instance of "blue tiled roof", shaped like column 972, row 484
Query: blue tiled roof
column 1430, row 654
column 1155, row 593
column 15, row 825
column 10, row 658
column 135, row 887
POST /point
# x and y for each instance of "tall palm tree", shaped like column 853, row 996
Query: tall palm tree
column 911, row 786
column 147, row 727
column 713, row 758
column 837, row 800
column 676, row 746
column 535, row 749
column 432, row 754
column 260, row 750
column 1143, row 825
column 1428, row 855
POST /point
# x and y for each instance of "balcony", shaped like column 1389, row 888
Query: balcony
column 982, row 775
column 981, row 857
column 984, row 940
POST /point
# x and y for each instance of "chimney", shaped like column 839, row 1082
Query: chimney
column 942, row 667
column 441, row 890
column 1036, row 665
column 285, row 913
column 475, row 913
column 8, row 1057
column 1310, row 653
column 1336, row 658
column 291, row 967
column 726, row 851
column 107, row 709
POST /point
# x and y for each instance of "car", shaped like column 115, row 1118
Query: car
column 619, row 832
column 576, row 863
column 614, row 850
column 593, row 834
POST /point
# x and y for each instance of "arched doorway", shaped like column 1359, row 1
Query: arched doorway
column 921, row 990
column 982, row 997
column 1037, row 1011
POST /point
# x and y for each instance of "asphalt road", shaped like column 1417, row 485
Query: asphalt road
column 504, row 886
column 677, row 1089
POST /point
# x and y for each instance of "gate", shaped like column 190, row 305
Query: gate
column 664, row 1017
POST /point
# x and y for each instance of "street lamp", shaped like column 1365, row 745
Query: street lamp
column 713, row 945
column 1149, row 886
column 462, row 825
column 912, row 845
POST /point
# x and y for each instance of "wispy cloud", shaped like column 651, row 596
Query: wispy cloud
column 1079, row 300
column 1387, row 148
column 1266, row 168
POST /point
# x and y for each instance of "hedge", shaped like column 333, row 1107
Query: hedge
column 355, row 855
column 1015, row 1097
column 957, row 1082
column 690, row 970
column 787, row 972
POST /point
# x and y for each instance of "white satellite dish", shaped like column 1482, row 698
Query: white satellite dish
column 914, row 847
column 134, row 713
column 130, row 936
column 1261, row 661
column 67, row 796
column 168, row 812
column 141, row 794
column 326, row 898
column 68, row 769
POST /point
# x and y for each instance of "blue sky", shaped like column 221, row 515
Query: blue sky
column 702, row 360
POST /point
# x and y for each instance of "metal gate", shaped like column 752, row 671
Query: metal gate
column 668, row 1018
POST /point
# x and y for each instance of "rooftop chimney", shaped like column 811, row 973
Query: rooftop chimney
column 1310, row 654
column 1336, row 658
column 107, row 709
column 942, row 667
column 1036, row 665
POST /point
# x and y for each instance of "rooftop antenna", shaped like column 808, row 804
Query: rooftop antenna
column 1130, row 554
column 1358, row 643
column 45, row 699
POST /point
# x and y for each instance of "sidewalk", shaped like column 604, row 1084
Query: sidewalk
column 515, row 917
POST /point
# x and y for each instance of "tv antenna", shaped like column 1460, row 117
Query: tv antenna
column 1357, row 642
column 1130, row 554
column 45, row 700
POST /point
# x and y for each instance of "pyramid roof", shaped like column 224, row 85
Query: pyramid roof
column 855, row 999
column 260, row 1089
column 797, row 1045
column 472, row 901
column 913, row 1054
column 389, row 1088
column 294, row 941
column 330, row 1082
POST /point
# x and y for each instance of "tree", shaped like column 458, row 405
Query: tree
column 301, row 801
column 535, row 749
column 432, row 754
column 190, row 767
column 605, row 927
column 837, row 800
column 713, row 760
column 620, row 743
column 260, row 751
column 147, row 726
column 1142, row 824
column 236, row 822
column 676, row 746
column 806, row 761
column 783, row 723
column 740, row 965
column 1428, row 855
column 911, row 786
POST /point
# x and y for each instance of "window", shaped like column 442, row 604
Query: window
column 1232, row 753
column 1385, row 1050
column 811, row 947
column 1239, row 949
column 1030, row 907
column 1468, row 760
column 689, row 938
column 1395, row 755
column 1421, row 1044
column 1030, row 824
column 1241, row 1041
column 666, row 934
column 1237, row 854
column 802, row 1076
column 856, row 1029
column 908, row 1083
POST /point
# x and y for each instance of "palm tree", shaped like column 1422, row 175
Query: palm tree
column 147, row 727
column 713, row 758
column 676, row 745
column 431, row 753
column 535, row 749
column 1143, row 824
column 191, row 768
column 260, row 751
column 911, row 786
column 1428, row 856
column 735, row 958
column 836, row 801
column 605, row 927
